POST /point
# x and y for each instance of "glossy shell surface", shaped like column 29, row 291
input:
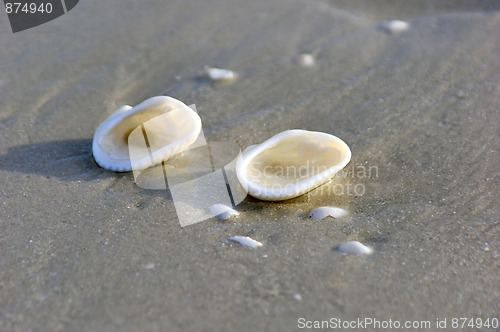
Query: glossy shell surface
column 291, row 163
column 142, row 136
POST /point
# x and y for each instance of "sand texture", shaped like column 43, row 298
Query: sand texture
column 83, row 248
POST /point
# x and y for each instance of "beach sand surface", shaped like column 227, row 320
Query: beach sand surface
column 84, row 248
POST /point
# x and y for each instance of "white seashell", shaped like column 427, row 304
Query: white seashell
column 290, row 164
column 394, row 27
column 170, row 125
column 305, row 60
column 222, row 211
column 355, row 247
column 218, row 74
column 246, row 241
column 323, row 212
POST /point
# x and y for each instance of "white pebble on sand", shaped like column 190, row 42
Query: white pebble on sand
column 220, row 75
column 355, row 247
column 246, row 241
column 149, row 266
column 394, row 27
column 305, row 60
column 326, row 211
column 222, row 211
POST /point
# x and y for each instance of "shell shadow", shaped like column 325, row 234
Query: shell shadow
column 252, row 204
column 68, row 160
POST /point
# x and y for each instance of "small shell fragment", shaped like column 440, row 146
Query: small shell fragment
column 246, row 241
column 222, row 75
column 305, row 60
column 149, row 266
column 394, row 27
column 355, row 247
column 325, row 211
column 222, row 211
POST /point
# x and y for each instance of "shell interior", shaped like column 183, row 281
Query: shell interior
column 292, row 160
column 153, row 131
column 292, row 163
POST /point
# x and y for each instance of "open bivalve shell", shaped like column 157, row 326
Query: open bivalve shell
column 155, row 130
column 291, row 163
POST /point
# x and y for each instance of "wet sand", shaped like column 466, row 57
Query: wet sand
column 87, row 249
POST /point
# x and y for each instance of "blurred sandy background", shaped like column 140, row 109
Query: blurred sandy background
column 83, row 248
